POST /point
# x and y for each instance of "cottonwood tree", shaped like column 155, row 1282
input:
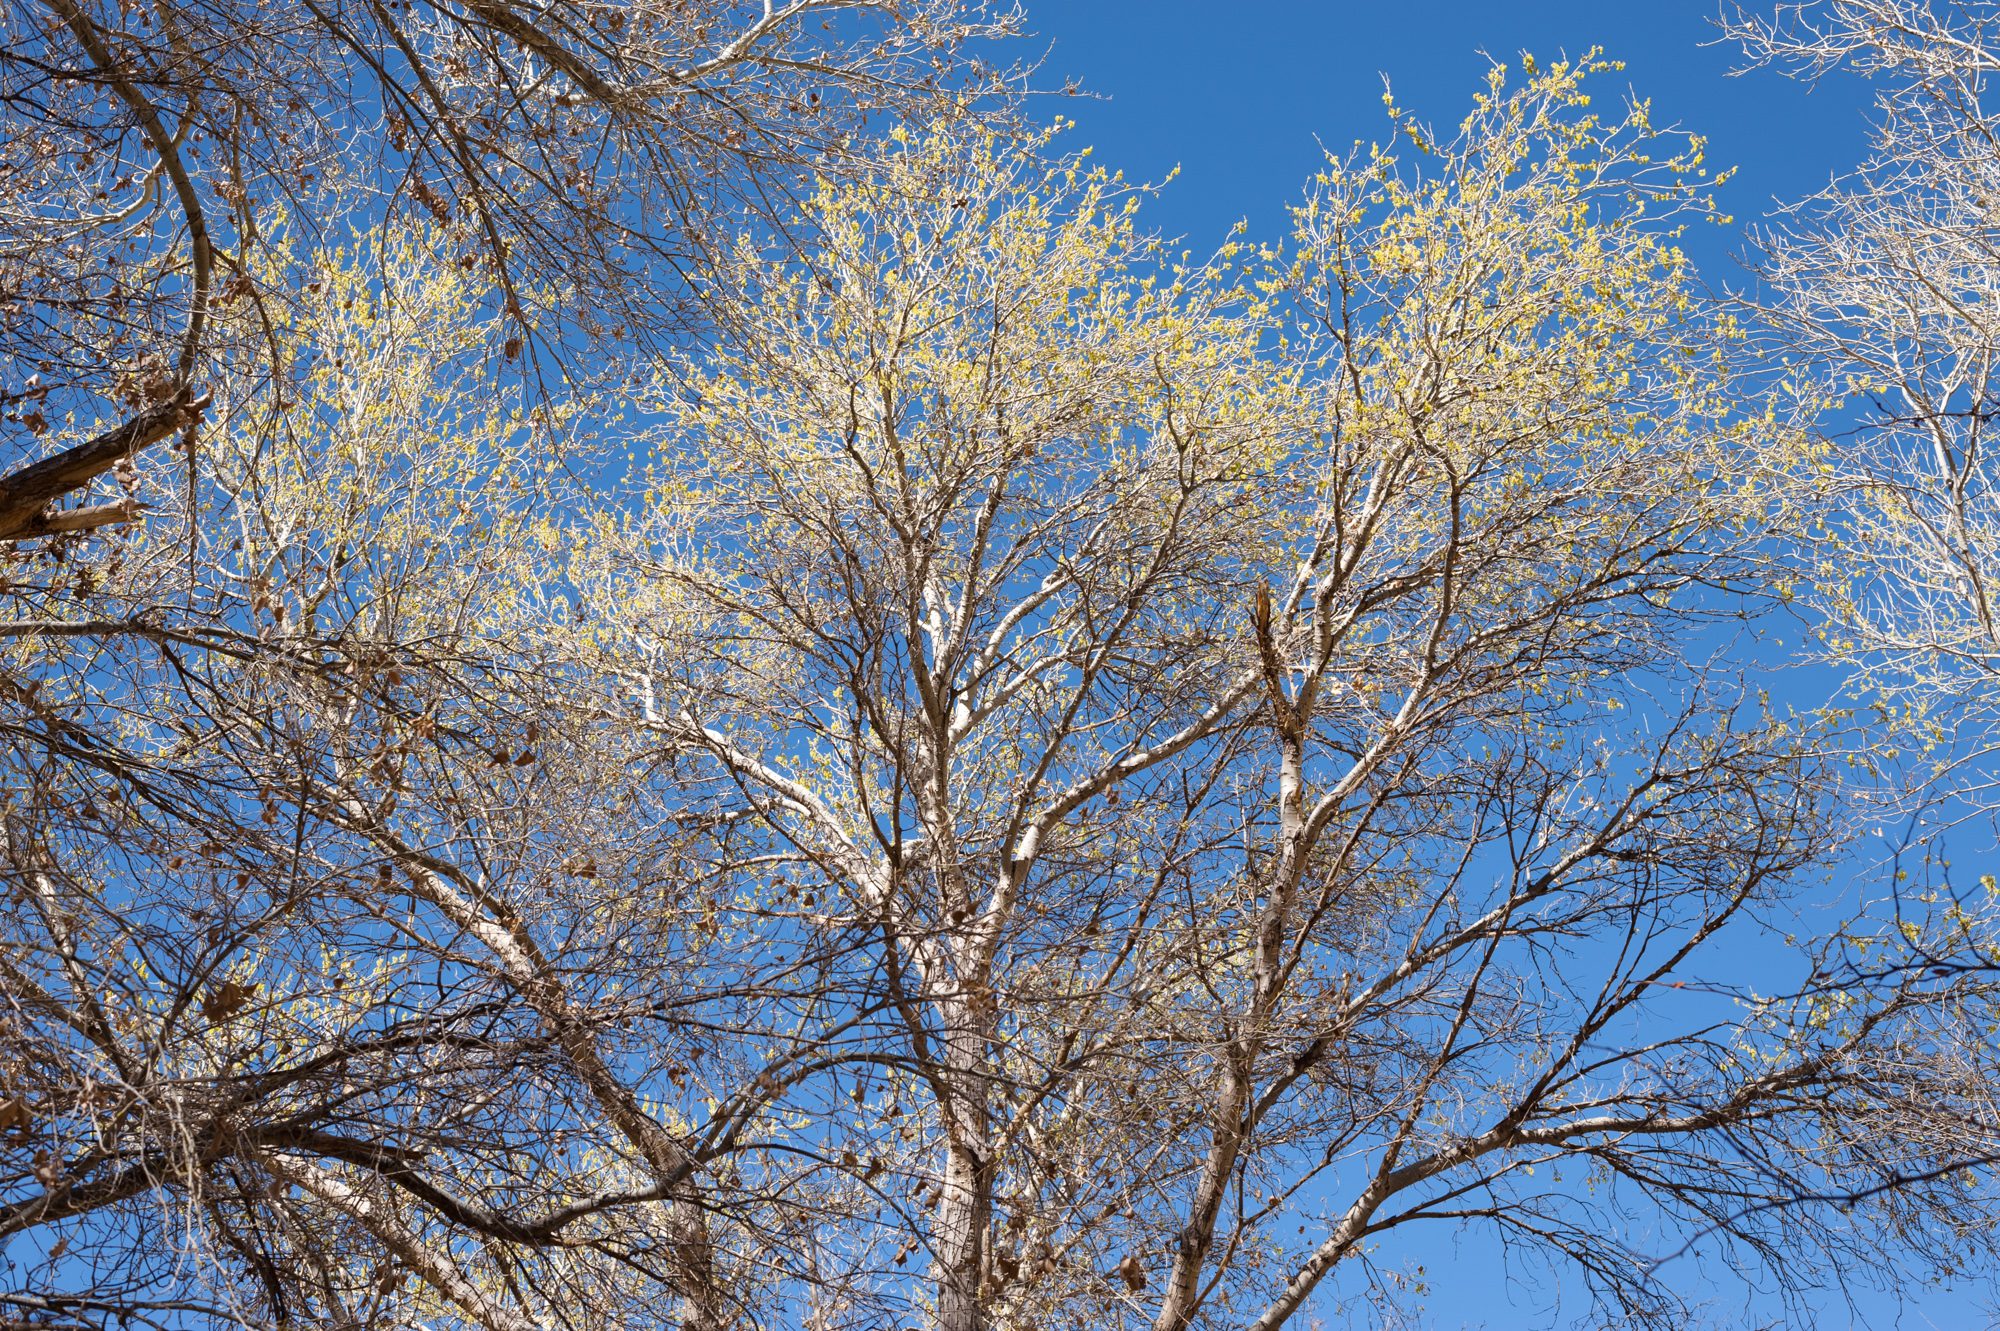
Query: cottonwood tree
column 207, row 735
column 337, row 987
column 153, row 153
column 1086, row 790
column 1879, row 292
column 1206, row 755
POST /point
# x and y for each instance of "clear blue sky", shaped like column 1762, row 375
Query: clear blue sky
column 1238, row 97
column 1235, row 94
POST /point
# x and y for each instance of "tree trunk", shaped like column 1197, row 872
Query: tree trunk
column 1177, row 1300
column 965, row 1203
column 1228, row 1126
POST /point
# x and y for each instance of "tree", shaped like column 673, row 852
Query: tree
column 209, row 731
column 277, row 1036
column 152, row 155
column 1084, row 789
column 1880, row 296
column 1173, row 721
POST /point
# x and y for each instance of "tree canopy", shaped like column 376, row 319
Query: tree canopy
column 748, row 705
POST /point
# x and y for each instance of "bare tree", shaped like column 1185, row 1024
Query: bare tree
column 1077, row 790
column 1880, row 291
column 1231, row 722
column 340, row 984
column 153, row 155
column 275, row 798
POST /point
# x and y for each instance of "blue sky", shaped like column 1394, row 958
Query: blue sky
column 1235, row 95
column 1239, row 98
